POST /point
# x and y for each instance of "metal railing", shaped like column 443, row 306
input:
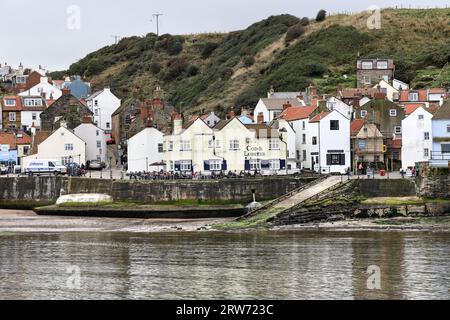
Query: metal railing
column 438, row 155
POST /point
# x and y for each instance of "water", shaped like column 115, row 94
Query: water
column 209, row 265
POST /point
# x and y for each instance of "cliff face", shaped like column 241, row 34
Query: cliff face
column 223, row 71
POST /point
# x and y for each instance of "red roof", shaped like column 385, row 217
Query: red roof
column 356, row 126
column 411, row 107
column 423, row 94
column 319, row 117
column 12, row 140
column 297, row 113
column 396, row 143
column 24, row 139
column 17, row 107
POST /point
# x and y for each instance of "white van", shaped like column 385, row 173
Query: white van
column 44, row 167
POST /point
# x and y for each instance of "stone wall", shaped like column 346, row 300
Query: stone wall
column 387, row 187
column 43, row 189
column 434, row 183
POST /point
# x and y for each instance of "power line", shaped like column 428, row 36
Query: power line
column 157, row 15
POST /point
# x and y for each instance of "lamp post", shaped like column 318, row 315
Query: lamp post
column 287, row 152
column 110, row 167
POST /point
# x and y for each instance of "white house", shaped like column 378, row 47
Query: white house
column 269, row 109
column 391, row 93
column 145, row 150
column 334, row 103
column 417, row 137
column 103, row 104
column 210, row 119
column 441, row 136
column 43, row 89
column 298, row 118
column 95, row 141
column 399, row 85
column 32, row 107
column 330, row 142
column 62, row 146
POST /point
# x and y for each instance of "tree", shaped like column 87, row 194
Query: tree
column 321, row 16
column 249, row 61
column 304, row 21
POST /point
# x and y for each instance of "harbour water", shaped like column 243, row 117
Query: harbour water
column 99, row 264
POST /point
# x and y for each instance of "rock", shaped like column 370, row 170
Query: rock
column 84, row 198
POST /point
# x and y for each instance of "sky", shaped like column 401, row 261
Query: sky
column 56, row 33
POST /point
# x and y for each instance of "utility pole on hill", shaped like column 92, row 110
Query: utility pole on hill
column 157, row 15
column 116, row 38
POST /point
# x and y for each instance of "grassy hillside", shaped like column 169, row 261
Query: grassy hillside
column 222, row 71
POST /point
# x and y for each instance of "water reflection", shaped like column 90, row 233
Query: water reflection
column 259, row 265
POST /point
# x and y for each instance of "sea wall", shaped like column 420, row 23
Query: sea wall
column 387, row 187
column 48, row 189
column 434, row 182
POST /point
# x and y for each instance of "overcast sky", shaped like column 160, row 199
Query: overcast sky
column 46, row 32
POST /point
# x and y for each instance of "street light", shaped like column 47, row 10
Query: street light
column 287, row 152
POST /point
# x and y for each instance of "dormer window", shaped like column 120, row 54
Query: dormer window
column 10, row 102
column 382, row 64
column 367, row 65
column 413, row 96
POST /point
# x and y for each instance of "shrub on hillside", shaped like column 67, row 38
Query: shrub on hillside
column 208, row 49
column 294, row 32
column 304, row 21
column 249, row 61
column 155, row 67
column 192, row 70
column 321, row 16
column 175, row 68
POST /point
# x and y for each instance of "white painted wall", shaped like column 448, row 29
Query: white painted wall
column 334, row 103
column 54, row 148
column 261, row 108
column 95, row 141
column 43, row 87
column 413, row 133
column 27, row 118
column 103, row 106
column 143, row 150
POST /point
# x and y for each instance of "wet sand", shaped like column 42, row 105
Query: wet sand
column 29, row 222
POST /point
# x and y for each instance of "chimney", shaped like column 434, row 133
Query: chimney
column 313, row 91
column 63, row 124
column 144, row 112
column 271, row 92
column 231, row 115
column 177, row 124
column 260, row 118
column 87, row 119
column 286, row 105
column 356, row 103
column 66, row 91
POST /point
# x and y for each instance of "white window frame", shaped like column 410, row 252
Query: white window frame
column 274, row 144
column 12, row 117
column 413, row 96
column 367, row 79
column 393, row 112
column 426, row 152
column 8, row 102
column 169, row 145
column 185, row 165
column 34, row 116
column 426, row 136
column 363, row 113
column 185, row 145
column 234, row 145
column 68, row 147
column 274, row 164
column 215, row 165
column 99, row 144
column 255, row 164
column 396, row 131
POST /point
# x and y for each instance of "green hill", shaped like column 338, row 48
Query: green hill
column 223, row 71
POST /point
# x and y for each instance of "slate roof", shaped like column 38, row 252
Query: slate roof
column 443, row 113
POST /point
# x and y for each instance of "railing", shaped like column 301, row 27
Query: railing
column 437, row 155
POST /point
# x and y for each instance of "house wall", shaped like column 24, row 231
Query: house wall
column 107, row 105
column 143, row 150
column 54, row 148
column 414, row 143
column 440, row 134
column 43, row 87
column 334, row 140
column 27, row 118
column 312, row 151
column 5, row 119
column 335, row 104
column 91, row 134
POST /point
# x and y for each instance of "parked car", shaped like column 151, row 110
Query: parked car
column 3, row 169
column 39, row 167
column 96, row 165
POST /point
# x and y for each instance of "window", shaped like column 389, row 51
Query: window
column 274, row 164
column 445, row 148
column 186, row 165
column 335, row 159
column 218, row 144
column 314, row 141
column 448, row 128
column 334, row 125
column 215, row 165
column 99, row 144
column 427, row 136
column 363, row 113
column 12, row 117
column 33, row 102
column 65, row 160
column 97, row 133
column 362, row 144
column 21, row 80
column 413, row 96
column 255, row 165
column 367, row 65
column 276, row 114
column 274, row 144
column 96, row 112
column 185, row 145
column 234, row 144
column 171, row 166
column 398, row 130
column 426, row 152
column 367, row 80
column 382, row 64
column 304, row 138
column 393, row 113
column 108, row 125
column 68, row 147
column 10, row 102
column 170, row 146
column 366, row 130
column 304, row 155
column 304, row 125
column 377, row 158
column 160, row 148
column 96, row 103
column 210, row 143
column 420, row 116
column 33, row 116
